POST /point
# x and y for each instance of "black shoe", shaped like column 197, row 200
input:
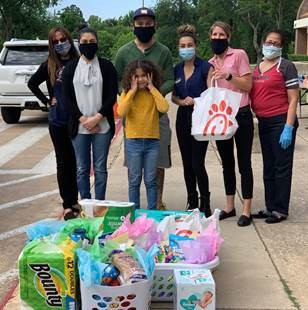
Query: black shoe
column 275, row 218
column 224, row 215
column 244, row 220
column 262, row 214
column 205, row 205
column 192, row 201
column 207, row 211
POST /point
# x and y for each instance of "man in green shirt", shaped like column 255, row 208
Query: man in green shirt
column 146, row 47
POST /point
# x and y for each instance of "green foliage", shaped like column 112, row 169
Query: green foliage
column 71, row 17
column 297, row 57
column 24, row 19
column 249, row 20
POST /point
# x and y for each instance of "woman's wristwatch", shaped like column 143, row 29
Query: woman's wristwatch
column 229, row 77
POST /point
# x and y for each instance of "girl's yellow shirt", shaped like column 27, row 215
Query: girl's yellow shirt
column 141, row 111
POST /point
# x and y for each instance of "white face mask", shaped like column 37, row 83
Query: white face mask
column 271, row 51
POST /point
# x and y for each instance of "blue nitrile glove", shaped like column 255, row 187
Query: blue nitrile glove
column 286, row 136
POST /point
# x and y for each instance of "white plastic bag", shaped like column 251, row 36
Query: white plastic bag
column 214, row 114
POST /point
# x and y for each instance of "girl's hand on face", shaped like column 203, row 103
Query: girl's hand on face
column 188, row 101
column 220, row 75
column 134, row 83
column 150, row 82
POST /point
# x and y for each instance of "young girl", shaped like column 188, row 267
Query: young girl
column 140, row 104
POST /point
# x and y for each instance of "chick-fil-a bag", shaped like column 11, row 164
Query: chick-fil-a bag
column 214, row 114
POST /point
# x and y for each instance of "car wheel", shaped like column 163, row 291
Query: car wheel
column 11, row 115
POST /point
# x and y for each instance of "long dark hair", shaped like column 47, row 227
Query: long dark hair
column 147, row 66
column 54, row 60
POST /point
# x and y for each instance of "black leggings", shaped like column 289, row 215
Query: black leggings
column 193, row 155
column 243, row 140
column 66, row 165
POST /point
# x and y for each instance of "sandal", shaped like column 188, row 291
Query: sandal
column 76, row 209
column 69, row 215
column 161, row 207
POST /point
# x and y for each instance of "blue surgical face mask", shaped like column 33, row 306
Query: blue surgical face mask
column 271, row 51
column 63, row 48
column 187, row 53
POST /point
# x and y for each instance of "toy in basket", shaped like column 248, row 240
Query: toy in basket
column 136, row 296
column 163, row 286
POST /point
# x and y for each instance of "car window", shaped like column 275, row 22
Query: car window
column 25, row 55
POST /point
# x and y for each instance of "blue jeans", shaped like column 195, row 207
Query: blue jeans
column 100, row 148
column 142, row 154
column 277, row 163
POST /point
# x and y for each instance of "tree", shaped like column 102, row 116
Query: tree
column 264, row 15
column 21, row 18
column 71, row 17
column 95, row 22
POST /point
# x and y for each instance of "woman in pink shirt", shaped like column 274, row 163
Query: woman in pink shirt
column 232, row 71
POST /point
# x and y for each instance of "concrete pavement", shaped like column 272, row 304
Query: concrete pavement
column 262, row 266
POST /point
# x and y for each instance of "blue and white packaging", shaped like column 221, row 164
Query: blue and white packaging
column 194, row 289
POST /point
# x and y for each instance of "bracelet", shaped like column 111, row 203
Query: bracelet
column 229, row 77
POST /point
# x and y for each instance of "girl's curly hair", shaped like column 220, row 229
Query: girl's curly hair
column 147, row 66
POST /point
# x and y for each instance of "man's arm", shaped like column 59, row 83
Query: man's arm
column 168, row 79
column 119, row 66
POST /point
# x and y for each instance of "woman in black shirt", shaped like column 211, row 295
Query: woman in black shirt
column 191, row 77
column 61, row 50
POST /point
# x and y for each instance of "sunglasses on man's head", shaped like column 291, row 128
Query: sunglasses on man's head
column 62, row 40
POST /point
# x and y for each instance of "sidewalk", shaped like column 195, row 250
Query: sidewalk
column 262, row 266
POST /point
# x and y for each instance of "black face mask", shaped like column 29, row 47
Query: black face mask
column 144, row 34
column 88, row 50
column 219, row 45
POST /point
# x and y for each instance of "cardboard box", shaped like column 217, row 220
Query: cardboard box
column 194, row 289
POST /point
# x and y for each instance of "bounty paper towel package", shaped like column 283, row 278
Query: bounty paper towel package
column 48, row 274
column 194, row 289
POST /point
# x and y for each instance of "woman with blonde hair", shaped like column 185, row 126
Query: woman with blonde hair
column 61, row 51
column 232, row 71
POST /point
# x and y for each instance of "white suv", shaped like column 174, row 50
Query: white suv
column 19, row 59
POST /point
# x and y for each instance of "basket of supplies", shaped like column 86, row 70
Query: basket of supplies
column 136, row 296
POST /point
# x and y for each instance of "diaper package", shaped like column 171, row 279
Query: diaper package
column 48, row 274
column 194, row 289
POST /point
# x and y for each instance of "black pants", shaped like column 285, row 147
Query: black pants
column 243, row 139
column 193, row 154
column 66, row 165
column 277, row 163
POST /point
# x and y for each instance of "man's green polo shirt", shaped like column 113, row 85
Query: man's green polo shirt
column 158, row 53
